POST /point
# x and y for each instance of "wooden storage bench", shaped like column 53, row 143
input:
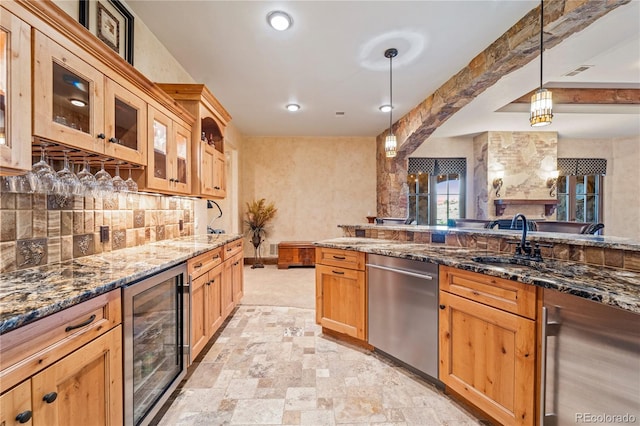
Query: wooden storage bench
column 296, row 253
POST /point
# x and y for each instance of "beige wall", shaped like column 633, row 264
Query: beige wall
column 621, row 184
column 316, row 184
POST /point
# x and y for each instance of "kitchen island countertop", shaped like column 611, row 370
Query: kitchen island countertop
column 611, row 286
column 30, row 294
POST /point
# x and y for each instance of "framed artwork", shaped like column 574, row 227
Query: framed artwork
column 111, row 22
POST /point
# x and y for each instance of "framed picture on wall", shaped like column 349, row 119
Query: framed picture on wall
column 111, row 22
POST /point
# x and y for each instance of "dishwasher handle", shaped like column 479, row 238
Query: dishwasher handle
column 400, row 271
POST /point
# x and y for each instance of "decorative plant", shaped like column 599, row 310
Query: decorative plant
column 258, row 214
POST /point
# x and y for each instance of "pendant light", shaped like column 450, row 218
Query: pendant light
column 541, row 101
column 390, row 143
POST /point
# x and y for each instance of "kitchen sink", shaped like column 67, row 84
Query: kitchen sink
column 506, row 261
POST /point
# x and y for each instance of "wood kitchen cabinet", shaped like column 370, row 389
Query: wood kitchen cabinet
column 15, row 94
column 67, row 368
column 208, row 168
column 341, row 291
column 232, row 284
column 77, row 105
column 15, row 406
column 169, row 156
column 84, row 388
column 487, row 343
column 206, row 273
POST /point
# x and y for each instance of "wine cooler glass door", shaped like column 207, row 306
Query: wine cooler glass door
column 153, row 356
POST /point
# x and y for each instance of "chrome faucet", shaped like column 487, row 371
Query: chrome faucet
column 523, row 247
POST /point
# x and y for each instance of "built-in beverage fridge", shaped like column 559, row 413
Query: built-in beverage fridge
column 155, row 342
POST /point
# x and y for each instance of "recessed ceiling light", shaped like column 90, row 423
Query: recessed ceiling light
column 385, row 108
column 78, row 102
column 279, row 20
column 293, row 107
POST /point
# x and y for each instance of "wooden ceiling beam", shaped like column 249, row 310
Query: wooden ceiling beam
column 589, row 96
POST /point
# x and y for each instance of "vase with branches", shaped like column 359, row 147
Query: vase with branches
column 258, row 214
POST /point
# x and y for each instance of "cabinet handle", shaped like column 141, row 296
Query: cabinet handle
column 338, row 272
column 216, row 187
column 339, row 257
column 114, row 140
column 82, row 324
column 217, row 256
column 236, row 264
column 101, row 136
column 442, row 306
column 24, row 417
column 198, row 265
column 213, row 281
column 50, row 397
column 208, row 282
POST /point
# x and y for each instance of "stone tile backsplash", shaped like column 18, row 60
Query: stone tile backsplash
column 39, row 229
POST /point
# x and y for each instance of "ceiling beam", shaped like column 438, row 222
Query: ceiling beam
column 588, row 96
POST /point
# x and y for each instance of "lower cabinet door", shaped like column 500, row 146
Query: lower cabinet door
column 236, row 272
column 226, row 292
column 488, row 357
column 341, row 300
column 84, row 388
column 214, row 316
column 15, row 406
column 199, row 335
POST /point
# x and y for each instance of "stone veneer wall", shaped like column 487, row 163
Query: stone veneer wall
column 37, row 229
column 600, row 256
column 525, row 158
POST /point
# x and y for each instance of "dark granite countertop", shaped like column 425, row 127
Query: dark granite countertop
column 30, row 294
column 614, row 287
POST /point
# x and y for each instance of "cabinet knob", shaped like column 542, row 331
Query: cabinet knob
column 442, row 306
column 101, row 136
column 24, row 417
column 50, row 397
column 216, row 187
column 113, row 140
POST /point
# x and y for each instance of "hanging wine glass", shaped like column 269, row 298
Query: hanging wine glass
column 119, row 184
column 132, row 186
column 104, row 183
column 47, row 178
column 69, row 182
column 87, row 180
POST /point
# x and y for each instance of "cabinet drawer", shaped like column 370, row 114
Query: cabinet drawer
column 204, row 263
column 510, row 296
column 28, row 349
column 341, row 258
column 232, row 248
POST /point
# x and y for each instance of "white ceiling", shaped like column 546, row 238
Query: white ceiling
column 332, row 60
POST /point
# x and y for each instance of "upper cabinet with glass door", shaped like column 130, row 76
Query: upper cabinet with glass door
column 207, row 140
column 77, row 105
column 15, row 94
column 168, row 167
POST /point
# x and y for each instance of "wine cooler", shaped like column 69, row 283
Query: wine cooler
column 155, row 342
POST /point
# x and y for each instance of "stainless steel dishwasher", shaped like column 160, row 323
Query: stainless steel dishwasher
column 403, row 311
column 590, row 362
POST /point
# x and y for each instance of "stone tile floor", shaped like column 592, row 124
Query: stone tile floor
column 272, row 365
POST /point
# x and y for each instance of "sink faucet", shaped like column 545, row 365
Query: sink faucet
column 523, row 242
